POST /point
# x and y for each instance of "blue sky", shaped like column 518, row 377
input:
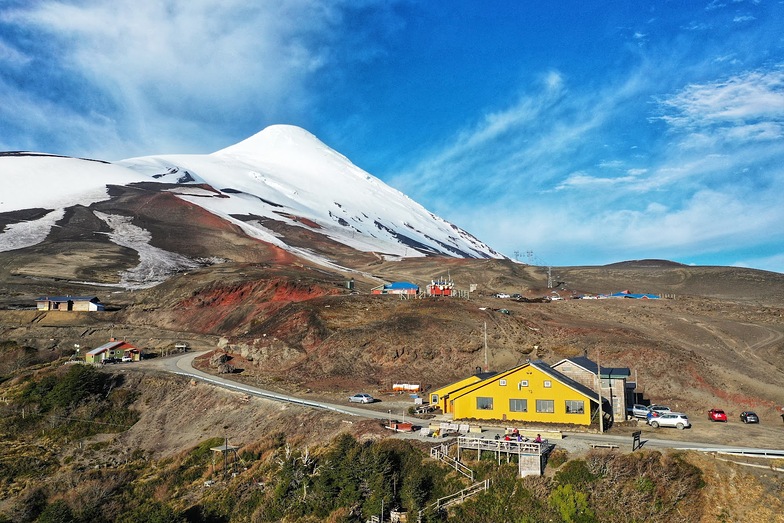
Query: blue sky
column 566, row 133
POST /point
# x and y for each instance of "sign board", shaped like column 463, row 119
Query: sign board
column 636, row 440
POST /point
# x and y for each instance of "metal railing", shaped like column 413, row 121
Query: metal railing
column 440, row 453
column 500, row 445
column 457, row 497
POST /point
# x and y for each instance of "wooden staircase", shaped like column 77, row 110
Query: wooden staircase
column 441, row 453
column 453, row 499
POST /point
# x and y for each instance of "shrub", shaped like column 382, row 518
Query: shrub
column 571, row 504
column 575, row 473
column 558, row 457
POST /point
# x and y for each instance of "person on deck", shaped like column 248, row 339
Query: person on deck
column 538, row 438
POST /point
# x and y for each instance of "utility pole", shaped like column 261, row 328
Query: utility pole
column 486, row 364
column 601, row 401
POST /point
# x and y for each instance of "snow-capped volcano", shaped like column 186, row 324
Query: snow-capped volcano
column 282, row 175
column 286, row 173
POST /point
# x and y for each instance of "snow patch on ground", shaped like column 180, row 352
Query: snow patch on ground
column 57, row 183
column 26, row 234
column 155, row 265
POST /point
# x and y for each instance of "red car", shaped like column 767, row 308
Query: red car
column 717, row 415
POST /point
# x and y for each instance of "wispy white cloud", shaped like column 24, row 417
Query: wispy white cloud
column 12, row 56
column 745, row 96
column 715, row 4
column 773, row 262
column 556, row 186
column 581, row 180
column 517, row 150
column 171, row 73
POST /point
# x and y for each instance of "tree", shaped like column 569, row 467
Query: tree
column 571, row 504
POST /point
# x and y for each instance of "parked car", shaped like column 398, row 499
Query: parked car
column 671, row 419
column 361, row 397
column 127, row 359
column 749, row 417
column 638, row 410
column 654, row 411
column 717, row 415
column 110, row 360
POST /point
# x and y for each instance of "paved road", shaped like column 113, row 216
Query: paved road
column 183, row 366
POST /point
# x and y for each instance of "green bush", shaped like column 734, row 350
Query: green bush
column 151, row 512
column 571, row 504
column 574, row 472
column 57, row 512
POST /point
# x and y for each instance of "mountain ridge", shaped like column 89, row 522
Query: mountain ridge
column 276, row 186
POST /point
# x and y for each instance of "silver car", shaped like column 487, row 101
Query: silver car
column 361, row 397
column 671, row 419
column 639, row 411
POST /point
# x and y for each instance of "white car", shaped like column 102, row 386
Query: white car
column 671, row 419
column 361, row 397
column 126, row 359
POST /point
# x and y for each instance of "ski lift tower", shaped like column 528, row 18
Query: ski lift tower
column 533, row 259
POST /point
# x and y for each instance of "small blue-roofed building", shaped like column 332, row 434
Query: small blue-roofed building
column 398, row 287
column 635, row 295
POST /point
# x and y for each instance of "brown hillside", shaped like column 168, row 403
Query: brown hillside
column 718, row 341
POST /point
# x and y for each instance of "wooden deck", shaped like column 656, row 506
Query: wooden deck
column 531, row 456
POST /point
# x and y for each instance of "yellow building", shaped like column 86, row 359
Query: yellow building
column 440, row 397
column 531, row 392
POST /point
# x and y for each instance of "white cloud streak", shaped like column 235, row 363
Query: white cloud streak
column 714, row 180
column 167, row 73
column 749, row 105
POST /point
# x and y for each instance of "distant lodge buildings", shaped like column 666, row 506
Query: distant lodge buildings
column 439, row 287
column 565, row 392
column 68, row 303
column 398, row 287
column 114, row 350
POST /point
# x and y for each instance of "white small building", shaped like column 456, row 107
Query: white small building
column 68, row 303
